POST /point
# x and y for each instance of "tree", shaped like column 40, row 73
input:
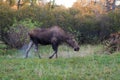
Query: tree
column 51, row 4
column 19, row 1
column 97, row 6
column 33, row 2
column 88, row 7
column 110, row 5
column 10, row 2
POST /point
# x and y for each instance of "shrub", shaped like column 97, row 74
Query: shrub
column 17, row 35
column 87, row 27
column 6, row 19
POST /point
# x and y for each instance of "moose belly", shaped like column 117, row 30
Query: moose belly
column 44, row 42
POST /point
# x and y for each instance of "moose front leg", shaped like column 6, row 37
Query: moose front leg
column 28, row 49
column 55, row 48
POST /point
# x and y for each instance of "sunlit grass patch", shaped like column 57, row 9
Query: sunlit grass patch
column 92, row 67
column 63, row 51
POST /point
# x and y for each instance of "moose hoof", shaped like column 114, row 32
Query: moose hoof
column 26, row 57
column 40, row 58
column 50, row 57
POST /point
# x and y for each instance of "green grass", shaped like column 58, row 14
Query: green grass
column 83, row 65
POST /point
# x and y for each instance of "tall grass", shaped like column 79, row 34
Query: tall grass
column 63, row 51
column 83, row 65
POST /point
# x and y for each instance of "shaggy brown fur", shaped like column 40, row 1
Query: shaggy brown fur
column 114, row 42
column 51, row 36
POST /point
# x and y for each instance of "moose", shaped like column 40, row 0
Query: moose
column 54, row 36
column 113, row 42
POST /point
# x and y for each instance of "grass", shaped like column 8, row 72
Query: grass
column 87, row 64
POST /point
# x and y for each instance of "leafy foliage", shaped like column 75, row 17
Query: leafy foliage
column 88, row 28
column 18, row 33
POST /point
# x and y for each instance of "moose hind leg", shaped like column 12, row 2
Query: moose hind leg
column 55, row 48
column 28, row 49
column 36, row 50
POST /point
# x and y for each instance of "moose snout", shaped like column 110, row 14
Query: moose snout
column 76, row 49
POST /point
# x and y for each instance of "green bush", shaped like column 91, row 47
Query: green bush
column 87, row 28
column 18, row 32
column 115, row 20
column 6, row 19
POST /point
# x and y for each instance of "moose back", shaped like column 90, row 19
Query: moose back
column 50, row 36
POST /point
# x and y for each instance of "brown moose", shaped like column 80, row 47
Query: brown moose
column 114, row 42
column 50, row 36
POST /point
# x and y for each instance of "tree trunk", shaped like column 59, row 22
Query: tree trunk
column 18, row 4
column 110, row 5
